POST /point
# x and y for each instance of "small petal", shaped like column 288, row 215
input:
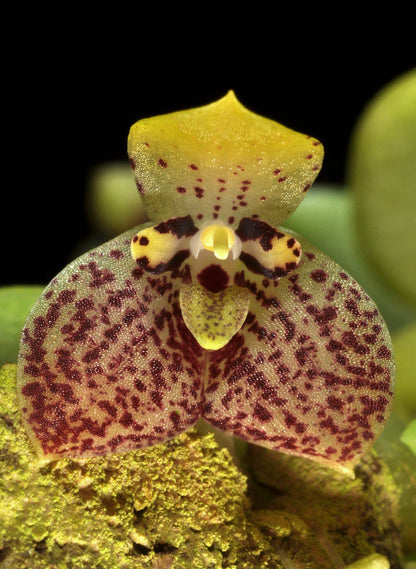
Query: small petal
column 311, row 371
column 164, row 246
column 106, row 362
column 266, row 250
column 213, row 318
column 221, row 161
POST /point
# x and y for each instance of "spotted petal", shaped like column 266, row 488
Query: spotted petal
column 106, row 362
column 221, row 161
column 266, row 250
column 311, row 371
column 164, row 246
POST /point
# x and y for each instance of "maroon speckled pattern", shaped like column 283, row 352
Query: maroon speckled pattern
column 311, row 372
column 107, row 363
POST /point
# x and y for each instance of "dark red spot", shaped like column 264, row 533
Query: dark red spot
column 288, row 324
column 199, row 192
column 140, row 188
column 302, row 356
column 181, row 190
column 162, row 163
column 91, row 355
column 116, row 254
column 255, row 266
column 253, row 229
column 319, row 276
column 99, row 276
column 193, row 167
column 261, row 413
column 126, row 419
column 139, row 385
column 144, row 240
column 351, row 305
column 384, row 352
column 179, row 226
column 66, row 296
column 108, row 407
column 370, row 338
column 334, row 403
column 176, row 419
column 213, row 278
column 322, row 316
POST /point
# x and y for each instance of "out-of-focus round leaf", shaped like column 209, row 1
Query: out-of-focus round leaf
column 326, row 219
column 404, row 344
column 381, row 172
column 409, row 436
column 112, row 201
column 16, row 302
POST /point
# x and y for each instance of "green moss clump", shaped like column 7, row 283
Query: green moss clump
column 128, row 510
column 339, row 519
column 179, row 505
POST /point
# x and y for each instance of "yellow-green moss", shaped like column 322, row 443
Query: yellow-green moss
column 165, row 506
column 181, row 505
column 348, row 519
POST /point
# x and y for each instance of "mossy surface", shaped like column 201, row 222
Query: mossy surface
column 184, row 504
column 340, row 519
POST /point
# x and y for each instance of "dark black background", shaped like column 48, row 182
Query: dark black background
column 62, row 114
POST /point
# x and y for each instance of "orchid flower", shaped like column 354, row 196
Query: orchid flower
column 211, row 310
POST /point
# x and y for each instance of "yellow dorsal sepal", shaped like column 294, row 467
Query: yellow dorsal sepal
column 221, row 161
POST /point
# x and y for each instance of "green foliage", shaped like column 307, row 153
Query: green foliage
column 404, row 343
column 408, row 436
column 382, row 175
column 112, row 201
column 15, row 304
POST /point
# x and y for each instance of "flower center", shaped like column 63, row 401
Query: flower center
column 219, row 239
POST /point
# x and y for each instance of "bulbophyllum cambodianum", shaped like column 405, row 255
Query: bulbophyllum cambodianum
column 212, row 310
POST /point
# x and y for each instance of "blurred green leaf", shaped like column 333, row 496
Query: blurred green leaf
column 404, row 344
column 381, row 172
column 409, row 436
column 113, row 203
column 15, row 304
